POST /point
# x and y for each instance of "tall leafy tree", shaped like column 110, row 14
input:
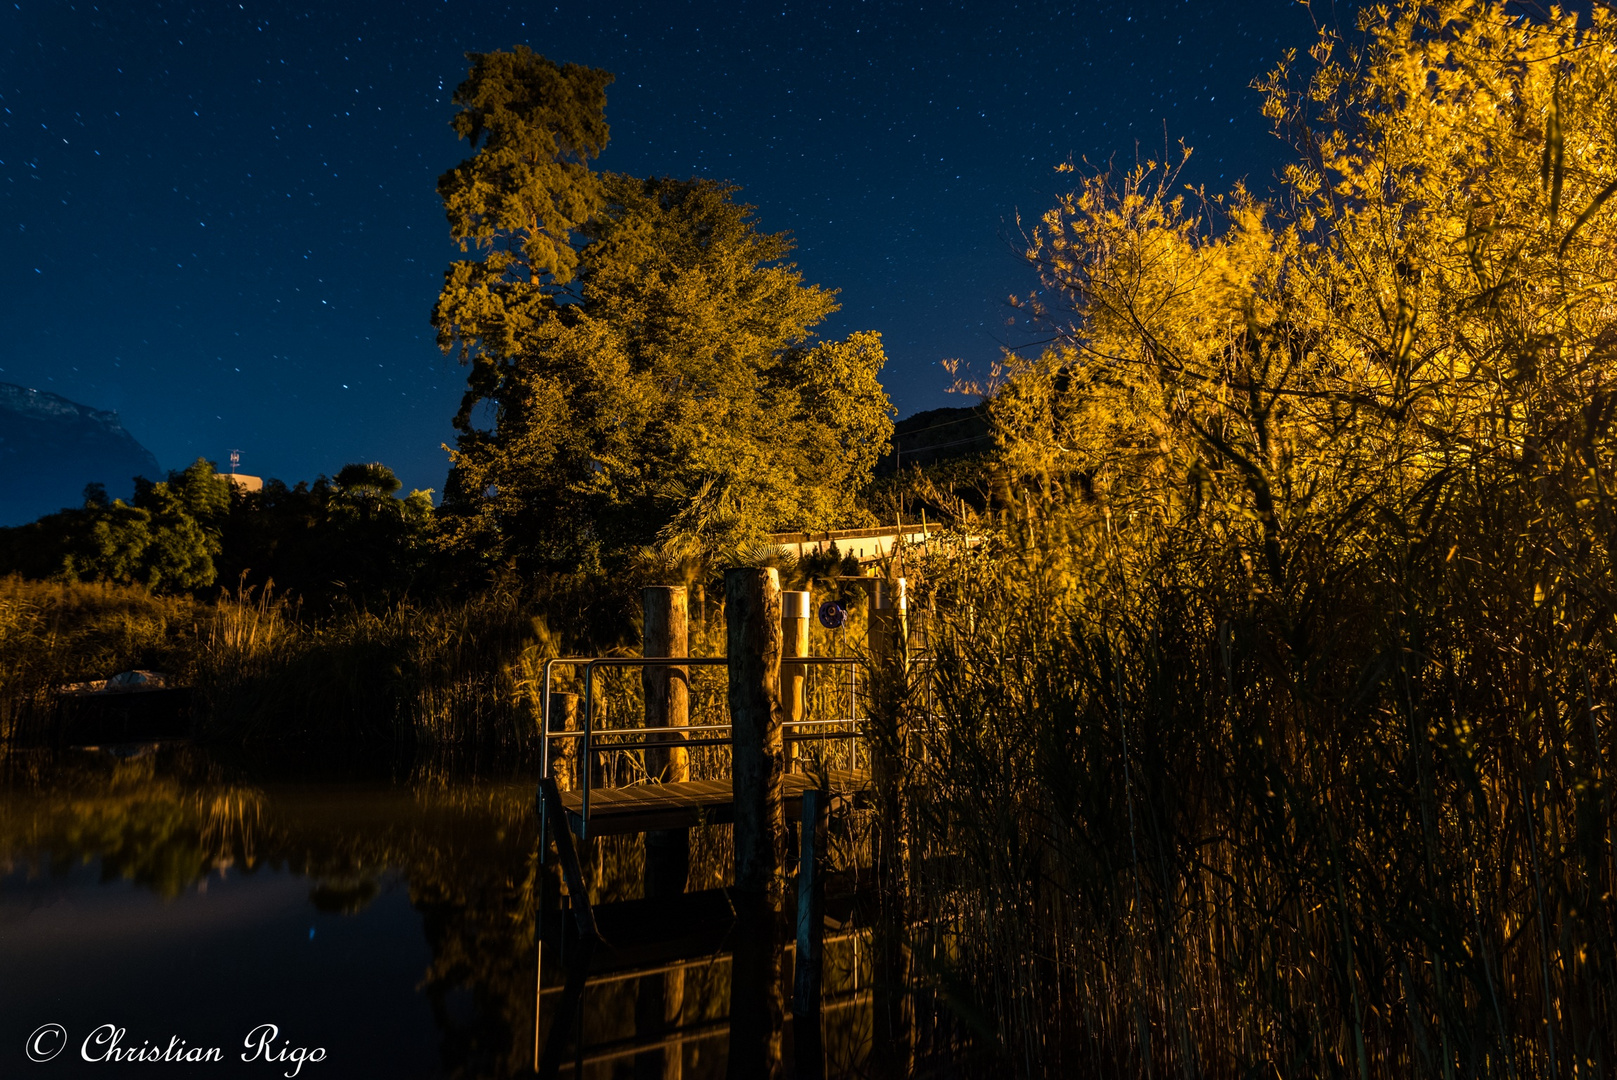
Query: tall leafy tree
column 643, row 351
column 515, row 204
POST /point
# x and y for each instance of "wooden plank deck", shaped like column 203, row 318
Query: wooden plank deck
column 645, row 807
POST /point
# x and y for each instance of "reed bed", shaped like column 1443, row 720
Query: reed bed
column 1173, row 826
column 449, row 673
column 1271, row 731
column 53, row 634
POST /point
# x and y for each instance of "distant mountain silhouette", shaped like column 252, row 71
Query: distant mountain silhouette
column 50, row 448
column 938, row 435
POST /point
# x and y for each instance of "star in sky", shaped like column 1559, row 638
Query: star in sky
column 221, row 219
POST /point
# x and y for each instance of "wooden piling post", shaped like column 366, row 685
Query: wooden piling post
column 563, row 753
column 795, row 612
column 752, row 611
column 808, row 1037
column 667, row 689
column 660, row 999
column 561, row 771
column 889, row 625
column 888, row 740
column 569, row 1010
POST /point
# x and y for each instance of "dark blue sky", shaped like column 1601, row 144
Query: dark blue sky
column 220, row 219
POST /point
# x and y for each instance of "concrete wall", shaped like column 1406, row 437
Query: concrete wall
column 867, row 544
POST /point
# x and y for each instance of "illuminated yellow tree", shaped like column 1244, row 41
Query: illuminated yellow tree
column 644, row 353
column 1433, row 283
column 1318, row 491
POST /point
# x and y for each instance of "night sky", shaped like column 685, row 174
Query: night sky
column 221, row 219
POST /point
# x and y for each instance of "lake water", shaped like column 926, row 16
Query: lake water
column 374, row 918
column 189, row 902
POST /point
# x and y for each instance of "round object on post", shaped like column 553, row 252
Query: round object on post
column 796, row 605
column 833, row 615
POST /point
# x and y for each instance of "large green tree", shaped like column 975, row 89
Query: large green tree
column 167, row 538
column 346, row 540
column 643, row 362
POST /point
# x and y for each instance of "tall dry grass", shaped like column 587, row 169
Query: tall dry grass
column 53, row 634
column 428, row 674
column 1273, row 733
column 1170, row 823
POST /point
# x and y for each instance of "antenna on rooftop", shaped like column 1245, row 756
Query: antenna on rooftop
column 235, row 459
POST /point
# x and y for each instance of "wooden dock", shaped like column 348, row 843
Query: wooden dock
column 688, row 803
column 768, row 661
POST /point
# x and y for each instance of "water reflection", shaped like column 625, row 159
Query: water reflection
column 385, row 920
column 381, row 910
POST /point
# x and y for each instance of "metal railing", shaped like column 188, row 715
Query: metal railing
column 675, row 736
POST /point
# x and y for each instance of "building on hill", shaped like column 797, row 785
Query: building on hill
column 242, row 482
